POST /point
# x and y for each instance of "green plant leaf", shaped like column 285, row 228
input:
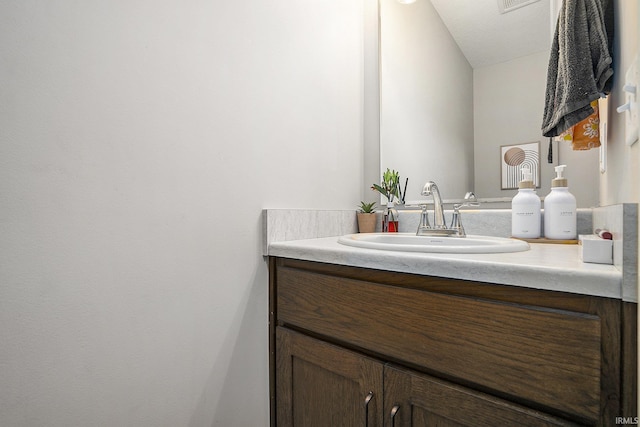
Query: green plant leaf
column 367, row 207
column 380, row 189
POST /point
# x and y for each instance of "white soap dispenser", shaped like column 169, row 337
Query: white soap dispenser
column 560, row 220
column 525, row 209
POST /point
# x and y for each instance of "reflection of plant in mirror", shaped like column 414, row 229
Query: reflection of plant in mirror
column 390, row 185
column 367, row 207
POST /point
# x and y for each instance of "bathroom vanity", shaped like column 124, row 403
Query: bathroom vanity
column 355, row 346
column 376, row 338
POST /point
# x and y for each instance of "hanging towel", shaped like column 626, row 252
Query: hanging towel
column 579, row 65
column 586, row 134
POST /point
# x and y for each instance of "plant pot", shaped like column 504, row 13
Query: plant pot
column 366, row 222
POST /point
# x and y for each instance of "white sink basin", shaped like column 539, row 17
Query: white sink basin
column 409, row 242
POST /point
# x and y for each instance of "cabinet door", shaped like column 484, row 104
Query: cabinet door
column 319, row 384
column 412, row 399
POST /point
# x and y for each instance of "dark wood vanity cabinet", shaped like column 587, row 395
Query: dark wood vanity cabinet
column 320, row 384
column 361, row 347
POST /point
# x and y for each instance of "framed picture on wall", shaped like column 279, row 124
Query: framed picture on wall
column 515, row 157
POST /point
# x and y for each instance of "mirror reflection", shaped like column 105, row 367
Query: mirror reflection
column 460, row 83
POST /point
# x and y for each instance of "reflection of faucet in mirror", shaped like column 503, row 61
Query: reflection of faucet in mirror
column 439, row 228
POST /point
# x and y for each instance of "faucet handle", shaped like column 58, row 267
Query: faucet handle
column 456, row 223
column 470, row 200
column 424, row 217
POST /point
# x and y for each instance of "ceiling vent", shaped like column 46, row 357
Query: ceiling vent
column 510, row 5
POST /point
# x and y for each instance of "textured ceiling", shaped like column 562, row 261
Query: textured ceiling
column 487, row 37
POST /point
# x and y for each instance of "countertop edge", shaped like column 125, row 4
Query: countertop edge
column 546, row 267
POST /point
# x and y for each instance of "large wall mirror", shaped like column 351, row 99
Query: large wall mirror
column 460, row 83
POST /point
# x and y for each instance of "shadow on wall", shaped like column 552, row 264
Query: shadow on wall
column 241, row 357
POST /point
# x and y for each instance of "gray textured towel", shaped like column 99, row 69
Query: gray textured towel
column 580, row 63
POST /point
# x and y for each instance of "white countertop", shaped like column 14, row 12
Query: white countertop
column 553, row 267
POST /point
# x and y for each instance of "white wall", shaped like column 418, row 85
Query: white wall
column 139, row 142
column 371, row 98
column 508, row 103
column 621, row 182
column 426, row 114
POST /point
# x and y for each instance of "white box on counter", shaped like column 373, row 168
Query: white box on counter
column 595, row 249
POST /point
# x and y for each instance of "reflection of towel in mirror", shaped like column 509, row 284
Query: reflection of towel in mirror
column 579, row 65
column 586, row 134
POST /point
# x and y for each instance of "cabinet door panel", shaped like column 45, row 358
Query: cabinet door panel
column 421, row 400
column 547, row 356
column 319, row 384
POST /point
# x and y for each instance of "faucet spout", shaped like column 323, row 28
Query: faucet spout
column 431, row 189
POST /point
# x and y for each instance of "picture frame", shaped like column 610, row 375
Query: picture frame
column 515, row 157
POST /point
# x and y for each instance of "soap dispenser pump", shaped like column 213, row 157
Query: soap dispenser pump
column 560, row 221
column 525, row 209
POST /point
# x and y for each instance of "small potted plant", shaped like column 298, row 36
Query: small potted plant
column 367, row 217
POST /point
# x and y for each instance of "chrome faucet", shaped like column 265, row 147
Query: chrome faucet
column 431, row 189
column 439, row 228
